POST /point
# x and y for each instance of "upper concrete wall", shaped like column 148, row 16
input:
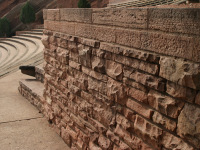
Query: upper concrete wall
column 172, row 32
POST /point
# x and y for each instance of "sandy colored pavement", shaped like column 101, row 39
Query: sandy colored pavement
column 22, row 127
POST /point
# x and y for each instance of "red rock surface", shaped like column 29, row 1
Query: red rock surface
column 7, row 5
column 73, row 3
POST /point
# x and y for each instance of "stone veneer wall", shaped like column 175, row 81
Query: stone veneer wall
column 123, row 78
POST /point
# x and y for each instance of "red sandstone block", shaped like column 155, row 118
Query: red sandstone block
column 84, row 56
column 74, row 65
column 62, row 42
column 94, row 146
column 180, row 92
column 170, row 141
column 72, row 133
column 56, row 109
column 104, row 143
column 142, row 110
column 145, row 79
column 142, row 55
column 164, row 121
column 66, row 137
column 98, row 52
column 94, row 74
column 165, row 104
column 138, row 95
column 98, row 64
column 100, row 127
column 130, row 52
column 141, row 65
column 150, row 133
column 183, row 72
column 128, row 18
column 74, row 56
column 53, row 40
column 89, row 42
column 114, row 70
column 52, row 14
column 113, row 48
column 96, row 85
column 100, row 33
column 122, row 121
column 175, row 20
column 123, row 146
column 129, row 114
column 131, row 140
column 116, row 91
column 170, row 44
column 88, row 97
column 66, row 27
column 74, row 89
column 104, row 115
column 52, row 25
column 135, row 85
column 76, row 15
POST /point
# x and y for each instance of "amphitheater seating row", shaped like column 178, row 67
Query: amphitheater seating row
column 143, row 3
column 24, row 49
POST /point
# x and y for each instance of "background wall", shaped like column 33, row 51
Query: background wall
column 123, row 78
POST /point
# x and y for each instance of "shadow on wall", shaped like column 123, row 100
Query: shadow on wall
column 74, row 3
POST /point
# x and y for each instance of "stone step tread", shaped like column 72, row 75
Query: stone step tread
column 31, row 32
column 39, row 69
column 32, row 36
column 34, row 86
column 37, row 60
column 39, row 30
column 4, row 54
column 22, row 50
column 13, row 51
column 141, row 3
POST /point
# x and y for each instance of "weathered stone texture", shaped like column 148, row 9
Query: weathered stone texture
column 123, row 78
column 189, row 124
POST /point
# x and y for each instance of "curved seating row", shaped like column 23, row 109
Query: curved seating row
column 143, row 3
column 24, row 49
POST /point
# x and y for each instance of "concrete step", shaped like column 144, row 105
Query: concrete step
column 29, row 32
column 142, row 3
column 34, row 61
column 13, row 52
column 32, row 90
column 4, row 54
column 38, row 30
column 32, row 36
column 22, row 51
column 26, row 49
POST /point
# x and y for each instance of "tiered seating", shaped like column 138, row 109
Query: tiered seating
column 142, row 3
column 24, row 49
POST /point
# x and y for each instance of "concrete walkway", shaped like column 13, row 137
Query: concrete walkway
column 22, row 127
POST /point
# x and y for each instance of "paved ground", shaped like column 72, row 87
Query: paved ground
column 22, row 127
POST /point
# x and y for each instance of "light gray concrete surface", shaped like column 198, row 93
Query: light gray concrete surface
column 22, row 127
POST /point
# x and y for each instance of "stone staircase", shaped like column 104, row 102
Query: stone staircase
column 32, row 89
column 143, row 3
column 24, row 49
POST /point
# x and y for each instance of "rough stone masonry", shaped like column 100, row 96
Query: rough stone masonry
column 123, row 78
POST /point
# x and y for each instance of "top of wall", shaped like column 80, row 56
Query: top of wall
column 164, row 30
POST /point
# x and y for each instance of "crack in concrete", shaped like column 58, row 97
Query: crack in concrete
column 21, row 120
